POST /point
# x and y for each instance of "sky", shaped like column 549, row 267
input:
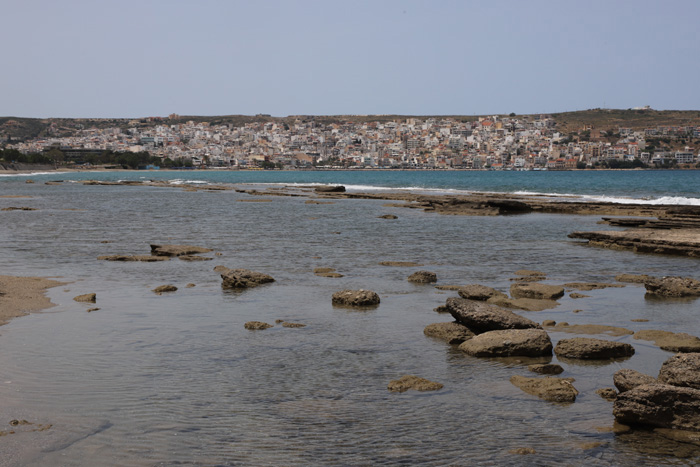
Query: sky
column 124, row 59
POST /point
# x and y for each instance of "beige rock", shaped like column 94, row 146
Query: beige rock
column 256, row 325
column 536, row 290
column 423, row 277
column 548, row 388
column 671, row 341
column 479, row 292
column 165, row 288
column 509, row 343
column 413, row 382
column 355, row 298
column 453, row 333
column 588, row 348
column 87, row 298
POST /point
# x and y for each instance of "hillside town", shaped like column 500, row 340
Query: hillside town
column 493, row 142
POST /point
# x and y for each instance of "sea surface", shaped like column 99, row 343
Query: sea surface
column 176, row 379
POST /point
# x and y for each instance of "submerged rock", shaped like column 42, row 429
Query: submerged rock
column 592, row 329
column 633, row 278
column 509, row 343
column 256, row 325
column 671, row 341
column 627, row 379
column 330, row 189
column 659, row 405
column 356, row 298
column 527, row 304
column 479, row 292
column 144, row 258
column 536, row 290
column 681, row 370
column 286, row 324
column 673, row 287
column 609, row 394
column 423, row 277
column 588, row 348
column 481, row 317
column 453, row 333
column 194, row 258
column 86, row 298
column 586, row 286
column 177, row 250
column 241, row 278
column 165, row 288
column 413, row 382
column 549, row 388
column 400, row 264
column 388, row 216
column 546, row 368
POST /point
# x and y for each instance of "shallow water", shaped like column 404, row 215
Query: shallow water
column 176, row 379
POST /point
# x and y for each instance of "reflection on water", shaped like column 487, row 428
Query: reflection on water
column 176, row 378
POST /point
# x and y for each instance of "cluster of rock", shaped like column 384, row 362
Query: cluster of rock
column 164, row 253
column 672, row 400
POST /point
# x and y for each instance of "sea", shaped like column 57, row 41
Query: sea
column 176, row 379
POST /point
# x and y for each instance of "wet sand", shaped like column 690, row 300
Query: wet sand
column 20, row 296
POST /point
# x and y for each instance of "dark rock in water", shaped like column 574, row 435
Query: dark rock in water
column 681, row 370
column 609, row 394
column 671, row 341
column 388, row 216
column 413, row 382
column 90, row 310
column 509, row 343
column 327, row 272
column 330, row 189
column 480, row 317
column 87, row 298
column 588, row 348
column 194, row 258
column 144, row 258
column 530, row 273
column 190, row 285
column 549, row 323
column 400, row 264
column 522, row 451
column 633, row 278
column 177, row 250
column 165, row 288
column 546, row 368
column 286, row 324
column 357, row 298
column 423, row 277
column 673, row 287
column 15, row 208
column 479, row 292
column 241, row 278
column 256, row 325
column 442, row 309
column 506, row 206
column 549, row 389
column 453, row 333
column 659, row 405
column 527, row 304
column 586, row 286
column 627, row 379
column 578, row 295
column 536, row 290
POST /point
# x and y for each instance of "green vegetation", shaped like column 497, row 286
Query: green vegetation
column 126, row 160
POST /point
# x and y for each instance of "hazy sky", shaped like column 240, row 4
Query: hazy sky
column 152, row 58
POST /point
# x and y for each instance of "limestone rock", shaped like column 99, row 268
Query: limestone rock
column 588, row 348
column 671, row 341
column 479, row 292
column 509, row 343
column 546, row 368
column 627, row 379
column 194, row 258
column 256, row 325
column 660, row 406
column 177, row 250
column 609, row 394
column 355, row 298
column 453, row 333
column 527, row 304
column 241, row 278
column 536, row 290
column 481, row 317
column 673, row 287
column 165, row 288
column 681, row 370
column 286, row 324
column 549, row 388
column 423, row 277
column 144, row 258
column 413, row 382
column 86, row 298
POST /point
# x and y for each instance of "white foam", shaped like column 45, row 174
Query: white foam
column 29, row 174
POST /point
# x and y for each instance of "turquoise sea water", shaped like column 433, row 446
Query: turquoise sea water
column 656, row 186
column 176, row 379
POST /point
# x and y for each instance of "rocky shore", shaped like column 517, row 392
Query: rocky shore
column 22, row 295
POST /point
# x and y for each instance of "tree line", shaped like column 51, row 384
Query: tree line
column 126, row 160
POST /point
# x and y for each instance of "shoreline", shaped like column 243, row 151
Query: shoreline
column 20, row 296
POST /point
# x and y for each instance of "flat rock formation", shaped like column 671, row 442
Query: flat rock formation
column 589, row 329
column 659, row 406
column 241, row 278
column 355, row 298
column 527, row 304
column 546, row 368
column 413, row 382
column 549, row 388
column 683, row 242
column 673, row 286
column 144, row 258
column 588, row 348
column 479, row 292
column 481, row 317
column 509, row 343
column 626, row 379
column 453, row 333
column 536, row 290
column 22, row 295
column 177, row 250
column 671, row 341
